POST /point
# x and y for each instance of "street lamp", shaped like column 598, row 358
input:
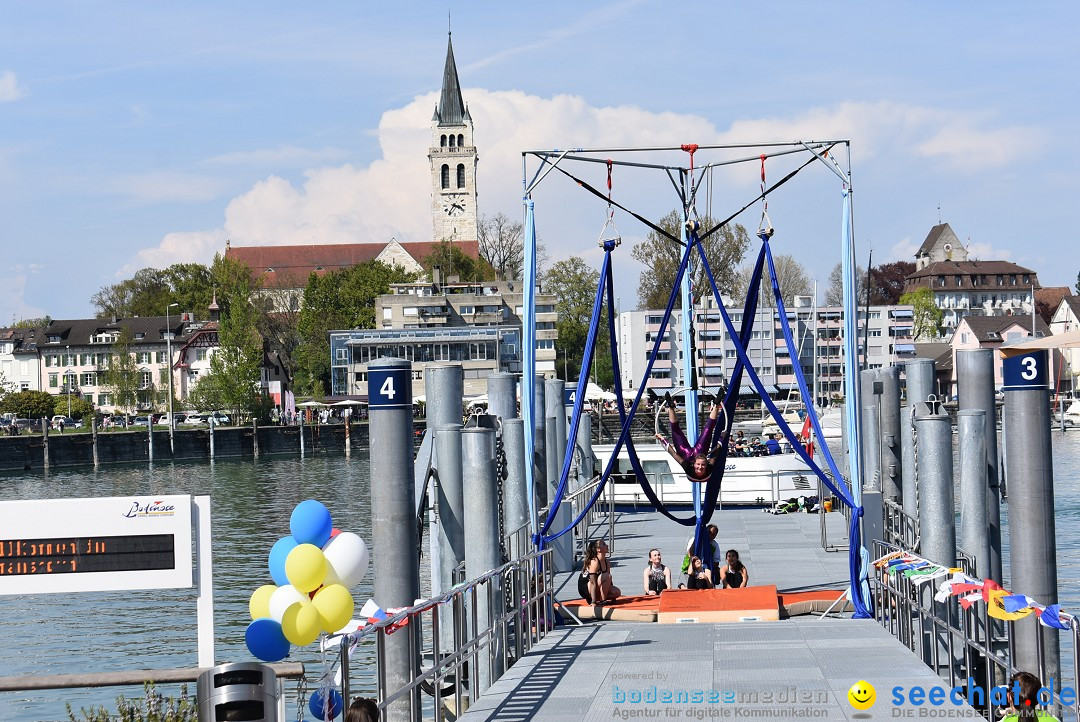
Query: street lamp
column 168, row 366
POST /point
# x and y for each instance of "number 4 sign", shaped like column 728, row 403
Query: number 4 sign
column 1027, row 371
column 389, row 388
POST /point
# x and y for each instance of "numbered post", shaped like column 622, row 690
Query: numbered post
column 1029, row 467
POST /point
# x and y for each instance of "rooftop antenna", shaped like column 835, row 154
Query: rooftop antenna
column 939, row 214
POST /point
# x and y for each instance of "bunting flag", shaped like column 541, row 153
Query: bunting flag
column 1001, row 603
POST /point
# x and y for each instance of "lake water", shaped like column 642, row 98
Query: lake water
column 251, row 504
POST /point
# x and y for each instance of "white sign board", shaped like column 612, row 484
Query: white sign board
column 92, row 545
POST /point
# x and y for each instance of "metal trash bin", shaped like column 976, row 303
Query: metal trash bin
column 246, row 691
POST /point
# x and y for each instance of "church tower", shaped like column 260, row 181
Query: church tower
column 453, row 161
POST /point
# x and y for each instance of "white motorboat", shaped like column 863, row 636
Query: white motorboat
column 747, row 479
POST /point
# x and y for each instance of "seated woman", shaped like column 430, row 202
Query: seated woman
column 657, row 576
column 594, row 583
column 696, row 460
column 734, row 574
column 698, row 577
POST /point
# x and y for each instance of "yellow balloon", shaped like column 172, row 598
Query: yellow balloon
column 259, row 604
column 335, row 605
column 300, row 624
column 305, row 567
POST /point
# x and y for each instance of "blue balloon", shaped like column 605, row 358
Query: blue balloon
column 318, row 706
column 266, row 641
column 310, row 523
column 278, row 553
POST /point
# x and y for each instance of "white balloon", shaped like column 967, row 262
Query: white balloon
column 346, row 559
column 284, row 597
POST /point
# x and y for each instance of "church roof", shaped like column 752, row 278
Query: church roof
column 290, row 266
column 451, row 109
column 968, row 268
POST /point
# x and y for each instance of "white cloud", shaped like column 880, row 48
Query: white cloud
column 286, row 156
column 13, row 304
column 986, row 252
column 168, row 186
column 183, row 247
column 9, row 87
column 904, row 249
column 391, row 196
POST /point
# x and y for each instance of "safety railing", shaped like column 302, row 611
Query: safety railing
column 768, row 492
column 520, row 595
column 967, row 647
column 900, row 528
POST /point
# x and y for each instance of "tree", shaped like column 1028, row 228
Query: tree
column 33, row 322
column 926, row 315
column 1044, row 310
column 454, row 262
column 80, row 407
column 1078, row 282
column 339, row 300
column 28, row 404
column 574, row 284
column 502, row 246
column 150, row 290
column 660, row 255
column 121, row 374
column 887, row 282
column 834, row 294
column 791, row 275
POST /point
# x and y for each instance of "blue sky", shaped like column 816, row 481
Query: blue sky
column 136, row 135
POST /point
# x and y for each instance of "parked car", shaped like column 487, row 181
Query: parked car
column 193, row 419
column 220, row 418
column 141, row 421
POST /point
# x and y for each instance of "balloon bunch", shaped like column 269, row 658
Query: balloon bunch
column 313, row 570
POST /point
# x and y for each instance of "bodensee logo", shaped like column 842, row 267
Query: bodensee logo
column 150, row 508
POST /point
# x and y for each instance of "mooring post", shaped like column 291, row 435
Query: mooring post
column 870, row 441
column 502, row 395
column 254, row 437
column 444, row 393
column 1030, row 470
column 482, row 548
column 937, row 521
column 975, row 390
column 348, row 431
column 891, row 458
column 449, row 515
column 45, row 442
column 539, row 460
column 94, row 439
column 919, row 380
column 584, row 443
column 909, row 488
column 971, row 433
column 150, row 441
column 515, row 499
column 213, row 426
column 393, row 516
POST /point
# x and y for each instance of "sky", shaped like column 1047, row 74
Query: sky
column 138, row 135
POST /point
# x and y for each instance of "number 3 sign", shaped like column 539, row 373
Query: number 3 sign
column 389, row 388
column 1027, row 371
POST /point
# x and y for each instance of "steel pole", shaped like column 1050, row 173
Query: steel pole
column 450, row 525
column 393, row 521
column 891, row 457
column 919, row 380
column 539, row 460
column 937, row 510
column 975, row 390
column 502, row 395
column 444, row 389
column 515, row 500
column 974, row 526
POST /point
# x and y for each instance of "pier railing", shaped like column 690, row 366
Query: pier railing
column 961, row 645
column 445, row 681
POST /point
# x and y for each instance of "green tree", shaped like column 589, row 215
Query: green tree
column 502, row 246
column 121, row 375
column 28, row 404
column 1078, row 282
column 453, row 262
column 660, row 256
column 33, row 322
column 233, row 380
column 80, row 407
column 340, row 300
column 926, row 315
column 574, row 284
column 150, row 290
column 887, row 282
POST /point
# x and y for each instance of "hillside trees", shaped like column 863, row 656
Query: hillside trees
column 150, row 290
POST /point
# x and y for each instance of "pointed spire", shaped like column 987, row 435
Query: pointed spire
column 451, row 110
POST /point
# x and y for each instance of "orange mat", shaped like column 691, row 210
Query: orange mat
column 757, row 603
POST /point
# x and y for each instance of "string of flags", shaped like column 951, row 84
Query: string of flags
column 952, row 582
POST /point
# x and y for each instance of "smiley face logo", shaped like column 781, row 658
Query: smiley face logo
column 862, row 695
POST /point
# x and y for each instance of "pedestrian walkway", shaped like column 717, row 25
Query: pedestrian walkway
column 797, row 668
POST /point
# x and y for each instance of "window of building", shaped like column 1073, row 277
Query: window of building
column 410, row 311
column 460, row 140
column 445, row 176
column 54, row 381
column 959, row 281
column 461, row 175
column 478, row 351
column 545, row 345
column 467, row 310
column 88, row 379
column 653, row 319
column 200, row 354
column 54, row 339
column 86, row 359
column 146, row 379
column 1027, row 279
column 159, row 357
column 941, row 281
column 442, row 352
column 1012, row 279
column 875, row 315
column 442, row 143
column 140, row 336
column 104, row 399
column 453, row 140
column 874, row 332
column 387, row 314
column 144, row 357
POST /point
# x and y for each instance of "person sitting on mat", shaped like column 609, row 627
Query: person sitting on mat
column 734, row 574
column 696, row 460
column 699, row 577
column 657, row 576
column 594, row 583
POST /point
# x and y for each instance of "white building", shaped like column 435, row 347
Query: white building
column 19, row 360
